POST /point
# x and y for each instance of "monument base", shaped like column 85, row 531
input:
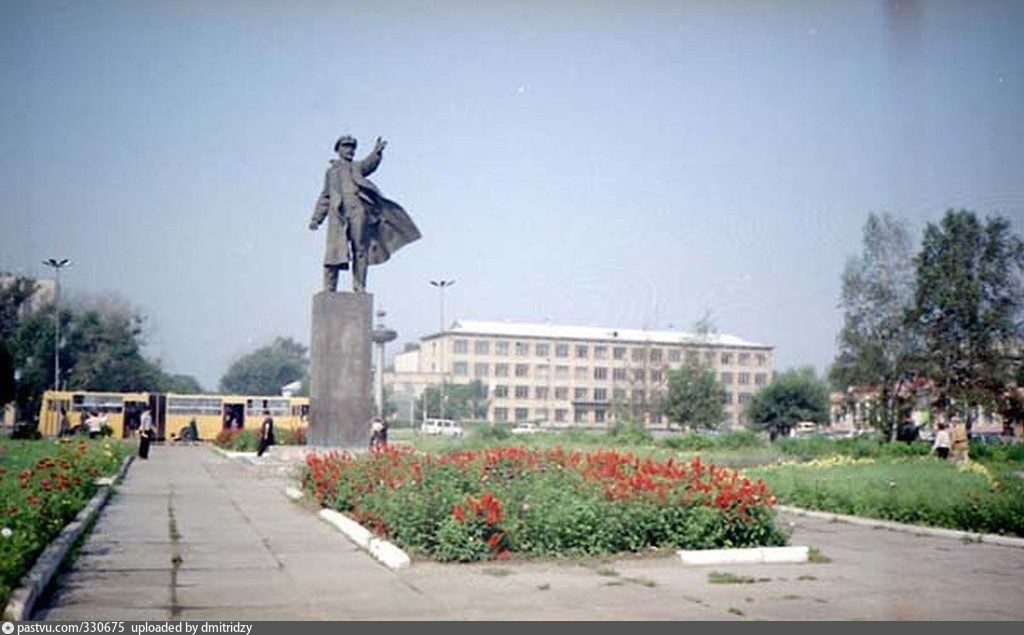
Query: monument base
column 340, row 366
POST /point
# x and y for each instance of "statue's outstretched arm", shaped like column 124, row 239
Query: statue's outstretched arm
column 372, row 160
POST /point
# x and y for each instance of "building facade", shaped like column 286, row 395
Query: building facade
column 578, row 375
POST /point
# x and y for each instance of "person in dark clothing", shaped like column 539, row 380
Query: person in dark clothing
column 146, row 433
column 266, row 433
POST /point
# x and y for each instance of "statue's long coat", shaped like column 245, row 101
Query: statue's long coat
column 389, row 226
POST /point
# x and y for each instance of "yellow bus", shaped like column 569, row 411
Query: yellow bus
column 171, row 412
column 213, row 413
column 122, row 410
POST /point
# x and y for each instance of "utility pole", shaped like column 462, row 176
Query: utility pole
column 56, row 265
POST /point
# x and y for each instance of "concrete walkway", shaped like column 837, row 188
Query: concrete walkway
column 193, row 535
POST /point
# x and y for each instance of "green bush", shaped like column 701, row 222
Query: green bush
column 492, row 431
column 688, row 442
column 630, row 434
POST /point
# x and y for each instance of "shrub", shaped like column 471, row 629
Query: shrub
column 630, row 434
column 491, row 432
column 237, row 440
column 689, row 442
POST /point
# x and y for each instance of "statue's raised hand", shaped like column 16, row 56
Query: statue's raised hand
column 380, row 145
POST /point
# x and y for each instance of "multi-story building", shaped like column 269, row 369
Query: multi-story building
column 578, row 375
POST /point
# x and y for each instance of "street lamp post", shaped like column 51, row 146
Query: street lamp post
column 56, row 265
column 441, row 286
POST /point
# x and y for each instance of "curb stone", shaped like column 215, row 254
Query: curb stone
column 30, row 588
column 994, row 539
column 753, row 555
column 384, row 551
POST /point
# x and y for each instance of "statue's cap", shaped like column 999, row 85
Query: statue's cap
column 345, row 140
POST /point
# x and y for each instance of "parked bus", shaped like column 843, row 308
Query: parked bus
column 171, row 412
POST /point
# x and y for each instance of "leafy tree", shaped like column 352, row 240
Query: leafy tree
column 103, row 352
column 877, row 344
column 14, row 296
column 181, row 384
column 455, row 401
column 266, row 369
column 969, row 308
column 795, row 395
column 695, row 398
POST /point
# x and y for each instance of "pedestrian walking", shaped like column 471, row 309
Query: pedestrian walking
column 146, row 433
column 266, row 433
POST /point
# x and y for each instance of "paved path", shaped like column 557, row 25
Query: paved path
column 193, row 535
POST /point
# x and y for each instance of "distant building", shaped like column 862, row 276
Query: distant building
column 576, row 375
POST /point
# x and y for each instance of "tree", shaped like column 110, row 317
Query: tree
column 103, row 352
column 265, row 370
column 459, row 401
column 969, row 308
column 14, row 296
column 795, row 395
column 877, row 344
column 695, row 398
column 181, row 384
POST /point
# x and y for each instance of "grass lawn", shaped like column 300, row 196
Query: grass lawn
column 918, row 490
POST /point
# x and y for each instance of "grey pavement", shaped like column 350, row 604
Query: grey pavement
column 194, row 535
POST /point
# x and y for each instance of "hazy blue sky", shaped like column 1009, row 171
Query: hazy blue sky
column 600, row 163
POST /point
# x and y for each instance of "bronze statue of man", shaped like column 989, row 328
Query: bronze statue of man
column 363, row 227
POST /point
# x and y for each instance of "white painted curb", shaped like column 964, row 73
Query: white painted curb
column 755, row 555
column 382, row 550
column 993, row 539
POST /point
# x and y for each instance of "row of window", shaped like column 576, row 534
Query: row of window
column 561, row 393
column 597, row 351
column 598, row 373
column 561, row 415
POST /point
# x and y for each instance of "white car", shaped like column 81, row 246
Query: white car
column 441, row 427
column 526, row 428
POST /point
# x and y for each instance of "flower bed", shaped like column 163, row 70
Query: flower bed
column 43, row 485
column 477, row 505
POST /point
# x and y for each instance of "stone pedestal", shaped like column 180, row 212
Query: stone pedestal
column 340, row 368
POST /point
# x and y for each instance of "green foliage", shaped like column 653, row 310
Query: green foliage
column 795, row 395
column 101, row 349
column 455, row 401
column 916, row 490
column 969, row 308
column 43, row 485
column 816, row 447
column 695, row 398
column 180, row 384
column 628, row 433
column 877, row 344
column 491, row 431
column 477, row 505
column 268, row 368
